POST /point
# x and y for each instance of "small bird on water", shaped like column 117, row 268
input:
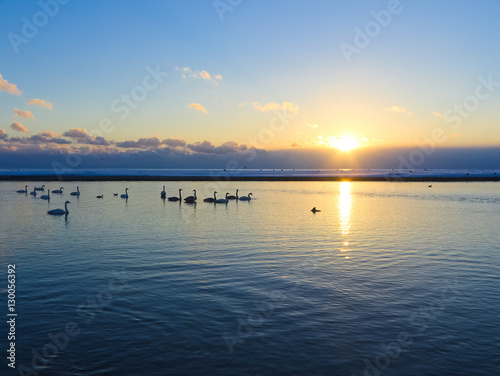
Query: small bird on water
column 314, row 210
column 101, row 196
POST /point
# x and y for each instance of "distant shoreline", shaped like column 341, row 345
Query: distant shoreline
column 76, row 177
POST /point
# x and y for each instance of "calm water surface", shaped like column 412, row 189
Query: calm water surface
column 389, row 279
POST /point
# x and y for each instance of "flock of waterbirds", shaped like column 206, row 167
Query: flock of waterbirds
column 163, row 194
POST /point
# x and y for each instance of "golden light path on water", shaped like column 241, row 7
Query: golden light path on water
column 344, row 211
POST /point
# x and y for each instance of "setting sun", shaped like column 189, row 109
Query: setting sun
column 344, row 143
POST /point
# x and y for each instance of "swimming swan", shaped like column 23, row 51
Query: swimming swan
column 126, row 194
column 222, row 200
column 77, row 193
column 174, row 198
column 231, row 197
column 60, row 211
column 60, row 190
column 246, row 198
column 191, row 199
column 210, row 199
column 47, row 196
column 23, row 191
column 163, row 194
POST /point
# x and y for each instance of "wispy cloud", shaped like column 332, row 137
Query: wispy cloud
column 23, row 114
column 187, row 72
column 40, row 103
column 18, row 127
column 198, row 107
column 438, row 114
column 399, row 109
column 8, row 87
column 285, row 106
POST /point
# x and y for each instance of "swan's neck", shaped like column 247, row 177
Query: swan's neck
column 66, row 208
column 215, row 197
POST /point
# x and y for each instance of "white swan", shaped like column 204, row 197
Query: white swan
column 191, row 199
column 23, row 191
column 60, row 211
column 210, row 199
column 33, row 193
column 126, row 194
column 77, row 193
column 163, row 194
column 60, row 190
column 47, row 196
column 231, row 197
column 246, row 198
column 42, row 188
column 222, row 200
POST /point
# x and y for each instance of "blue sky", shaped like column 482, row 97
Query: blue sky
column 230, row 76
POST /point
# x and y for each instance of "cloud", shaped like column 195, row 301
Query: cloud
column 48, row 134
column 198, row 107
column 399, row 109
column 187, row 72
column 40, row 103
column 285, row 106
column 438, row 114
column 23, row 114
column 8, row 87
column 312, row 125
column 82, row 137
column 174, row 142
column 3, row 134
column 76, row 133
column 142, row 143
column 206, row 147
column 18, row 127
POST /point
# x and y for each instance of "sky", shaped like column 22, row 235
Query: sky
column 306, row 84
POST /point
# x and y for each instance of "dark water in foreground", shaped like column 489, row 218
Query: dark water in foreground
column 389, row 279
